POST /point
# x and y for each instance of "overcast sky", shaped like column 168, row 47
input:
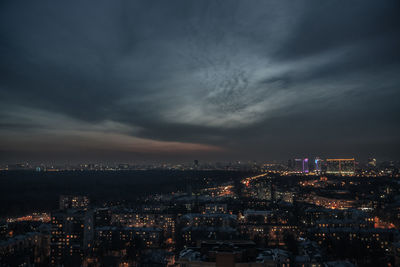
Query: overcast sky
column 108, row 81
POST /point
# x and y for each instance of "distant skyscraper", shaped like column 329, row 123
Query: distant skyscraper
column 301, row 165
column 317, row 165
column 340, row 166
column 305, row 165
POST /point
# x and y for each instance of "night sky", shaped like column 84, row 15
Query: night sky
column 107, row 81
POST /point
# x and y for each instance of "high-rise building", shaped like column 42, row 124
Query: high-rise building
column 301, row 165
column 305, row 165
column 317, row 165
column 340, row 166
column 71, row 236
column 71, row 231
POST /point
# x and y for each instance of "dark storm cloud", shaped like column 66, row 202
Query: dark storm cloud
column 259, row 79
column 332, row 24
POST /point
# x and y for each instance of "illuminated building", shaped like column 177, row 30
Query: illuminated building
column 285, row 196
column 276, row 235
column 317, row 165
column 257, row 233
column 301, row 165
column 207, row 226
column 213, row 219
column 166, row 222
column 71, row 236
column 305, row 165
column 261, row 189
column 382, row 238
column 329, row 202
column 372, row 163
column 340, row 166
column 74, row 202
column 216, row 208
column 253, row 225
column 258, row 217
column 298, row 165
column 150, row 236
column 342, row 223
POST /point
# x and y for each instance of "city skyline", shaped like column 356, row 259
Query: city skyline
column 210, row 80
column 208, row 133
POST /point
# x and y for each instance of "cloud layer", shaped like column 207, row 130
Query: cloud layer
column 211, row 79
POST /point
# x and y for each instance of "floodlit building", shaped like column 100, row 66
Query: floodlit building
column 340, row 166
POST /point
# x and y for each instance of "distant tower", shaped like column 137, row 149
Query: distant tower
column 305, row 165
column 196, row 163
column 317, row 165
column 301, row 165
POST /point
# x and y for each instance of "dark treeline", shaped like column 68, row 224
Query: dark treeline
column 26, row 191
